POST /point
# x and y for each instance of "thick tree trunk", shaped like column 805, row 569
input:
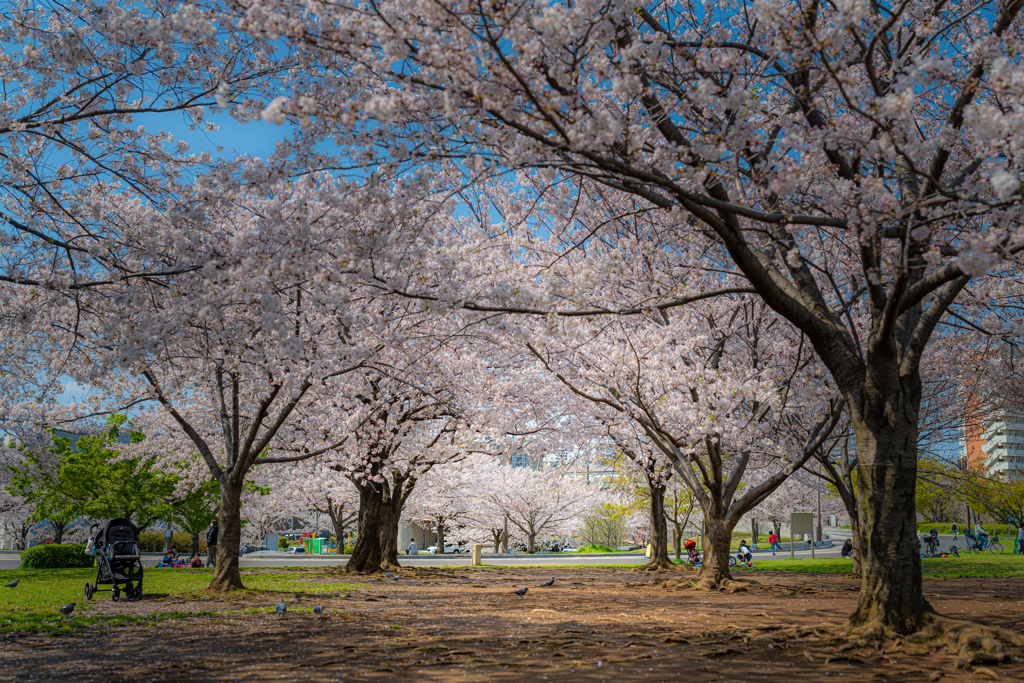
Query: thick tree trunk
column 890, row 596
column 226, row 575
column 714, row 572
column 58, row 531
column 193, row 546
column 376, row 548
column 440, row 535
column 659, row 532
column 531, row 541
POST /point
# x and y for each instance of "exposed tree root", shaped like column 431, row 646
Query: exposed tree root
column 373, row 569
column 974, row 643
column 725, row 584
column 656, row 566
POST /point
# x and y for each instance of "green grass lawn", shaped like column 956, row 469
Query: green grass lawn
column 33, row 605
column 980, row 565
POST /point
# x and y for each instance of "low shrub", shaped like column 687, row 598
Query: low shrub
column 56, row 556
column 153, row 542
column 592, row 548
column 1002, row 530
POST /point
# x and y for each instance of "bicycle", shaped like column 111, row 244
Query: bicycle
column 734, row 561
column 974, row 546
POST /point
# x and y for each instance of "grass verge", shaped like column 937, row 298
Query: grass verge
column 32, row 606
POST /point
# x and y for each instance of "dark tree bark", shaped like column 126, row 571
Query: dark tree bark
column 58, row 530
column 193, row 546
column 714, row 572
column 440, row 535
column 890, row 560
column 376, row 547
column 226, row 575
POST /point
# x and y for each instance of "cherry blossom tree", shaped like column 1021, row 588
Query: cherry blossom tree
column 445, row 494
column 311, row 485
column 538, row 502
column 87, row 91
column 794, row 135
column 405, row 433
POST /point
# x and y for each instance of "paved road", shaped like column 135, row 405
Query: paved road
column 263, row 559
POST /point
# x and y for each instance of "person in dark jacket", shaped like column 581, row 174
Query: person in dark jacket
column 211, row 544
column 847, row 548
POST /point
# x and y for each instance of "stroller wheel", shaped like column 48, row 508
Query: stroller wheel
column 88, row 590
column 137, row 595
column 115, row 593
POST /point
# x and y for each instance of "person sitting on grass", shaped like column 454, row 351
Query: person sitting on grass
column 168, row 559
column 197, row 562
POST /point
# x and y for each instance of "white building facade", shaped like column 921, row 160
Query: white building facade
column 1003, row 446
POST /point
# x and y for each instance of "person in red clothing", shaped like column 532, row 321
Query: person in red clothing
column 773, row 539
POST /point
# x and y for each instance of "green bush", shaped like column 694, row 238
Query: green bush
column 592, row 548
column 153, row 542
column 1002, row 530
column 56, row 556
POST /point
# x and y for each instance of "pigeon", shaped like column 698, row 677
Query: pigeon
column 280, row 607
column 549, row 582
column 393, row 577
column 68, row 608
column 521, row 592
column 12, row 584
column 318, row 609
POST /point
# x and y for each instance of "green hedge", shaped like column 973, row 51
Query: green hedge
column 1002, row 530
column 56, row 556
column 153, row 542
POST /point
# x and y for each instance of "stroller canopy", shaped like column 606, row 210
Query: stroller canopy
column 117, row 529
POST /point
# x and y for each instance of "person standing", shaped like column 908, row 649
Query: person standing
column 773, row 540
column 412, row 549
column 955, row 528
column 211, row 544
column 1018, row 547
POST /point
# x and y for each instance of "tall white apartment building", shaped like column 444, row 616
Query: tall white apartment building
column 1003, row 444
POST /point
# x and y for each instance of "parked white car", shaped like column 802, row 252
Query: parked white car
column 448, row 549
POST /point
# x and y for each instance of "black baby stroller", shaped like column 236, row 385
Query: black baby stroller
column 118, row 562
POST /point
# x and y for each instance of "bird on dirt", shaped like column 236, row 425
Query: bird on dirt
column 280, row 607
column 521, row 592
column 12, row 584
column 393, row 577
column 318, row 609
column 68, row 608
column 549, row 582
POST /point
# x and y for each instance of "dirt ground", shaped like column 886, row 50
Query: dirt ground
column 467, row 625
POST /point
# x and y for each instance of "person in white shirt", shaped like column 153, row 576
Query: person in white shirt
column 412, row 549
column 744, row 552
